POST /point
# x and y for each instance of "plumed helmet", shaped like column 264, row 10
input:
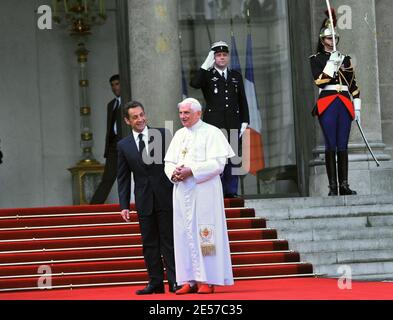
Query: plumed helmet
column 326, row 29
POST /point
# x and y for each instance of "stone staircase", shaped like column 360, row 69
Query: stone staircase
column 331, row 232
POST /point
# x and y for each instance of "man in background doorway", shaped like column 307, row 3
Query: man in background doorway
column 113, row 135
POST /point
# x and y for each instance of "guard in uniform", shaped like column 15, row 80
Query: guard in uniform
column 337, row 106
column 226, row 102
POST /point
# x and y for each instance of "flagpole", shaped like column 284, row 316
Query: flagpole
column 248, row 20
column 208, row 31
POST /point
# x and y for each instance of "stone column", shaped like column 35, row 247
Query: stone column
column 360, row 42
column 384, row 12
column 155, row 70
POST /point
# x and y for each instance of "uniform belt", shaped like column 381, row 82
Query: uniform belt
column 335, row 87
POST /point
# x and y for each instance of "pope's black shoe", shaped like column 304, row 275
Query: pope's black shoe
column 150, row 289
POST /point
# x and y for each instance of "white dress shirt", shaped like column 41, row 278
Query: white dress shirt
column 221, row 71
column 116, row 105
column 145, row 133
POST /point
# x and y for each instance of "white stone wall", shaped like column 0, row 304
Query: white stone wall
column 384, row 11
column 39, row 104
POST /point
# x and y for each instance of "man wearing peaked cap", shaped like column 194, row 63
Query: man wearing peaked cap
column 220, row 46
column 226, row 102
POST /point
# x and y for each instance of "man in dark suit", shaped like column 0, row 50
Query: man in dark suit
column 142, row 153
column 113, row 135
column 226, row 103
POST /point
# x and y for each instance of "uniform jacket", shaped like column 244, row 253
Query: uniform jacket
column 226, row 102
column 345, row 77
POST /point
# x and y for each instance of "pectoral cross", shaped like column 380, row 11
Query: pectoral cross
column 184, row 152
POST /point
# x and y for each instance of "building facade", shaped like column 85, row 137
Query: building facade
column 152, row 44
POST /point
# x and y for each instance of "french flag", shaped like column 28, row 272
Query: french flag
column 235, row 62
column 253, row 137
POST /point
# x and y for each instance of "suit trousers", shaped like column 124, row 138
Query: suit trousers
column 157, row 237
column 108, row 178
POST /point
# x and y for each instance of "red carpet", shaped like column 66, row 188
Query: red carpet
column 93, row 246
column 270, row 289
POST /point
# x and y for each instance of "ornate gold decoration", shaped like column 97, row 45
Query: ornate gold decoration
column 79, row 15
column 85, row 111
column 84, row 83
column 87, row 136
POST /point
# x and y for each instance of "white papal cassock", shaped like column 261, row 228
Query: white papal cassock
column 200, row 233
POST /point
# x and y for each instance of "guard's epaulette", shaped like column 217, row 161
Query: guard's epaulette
column 313, row 55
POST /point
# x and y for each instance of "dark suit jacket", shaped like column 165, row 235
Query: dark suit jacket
column 226, row 102
column 109, row 128
column 152, row 187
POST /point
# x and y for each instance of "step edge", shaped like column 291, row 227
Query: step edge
column 65, row 274
column 49, row 215
column 71, row 286
column 44, row 262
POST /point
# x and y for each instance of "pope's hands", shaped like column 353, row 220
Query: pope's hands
column 209, row 62
column 243, row 128
column 181, row 173
column 126, row 215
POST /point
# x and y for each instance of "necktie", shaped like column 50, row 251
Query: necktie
column 223, row 75
column 142, row 147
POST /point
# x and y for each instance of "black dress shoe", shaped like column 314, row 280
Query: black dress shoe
column 173, row 287
column 150, row 289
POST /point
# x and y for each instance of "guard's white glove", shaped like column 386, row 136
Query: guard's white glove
column 243, row 128
column 334, row 63
column 338, row 59
column 357, row 103
column 336, row 56
column 330, row 68
column 209, row 62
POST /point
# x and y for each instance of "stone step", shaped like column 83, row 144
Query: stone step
column 319, row 223
column 348, row 257
column 311, row 202
column 332, row 232
column 356, row 269
column 379, row 221
column 386, row 277
column 363, row 233
column 326, row 212
column 341, row 245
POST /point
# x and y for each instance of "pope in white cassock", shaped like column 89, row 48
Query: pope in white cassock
column 194, row 161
